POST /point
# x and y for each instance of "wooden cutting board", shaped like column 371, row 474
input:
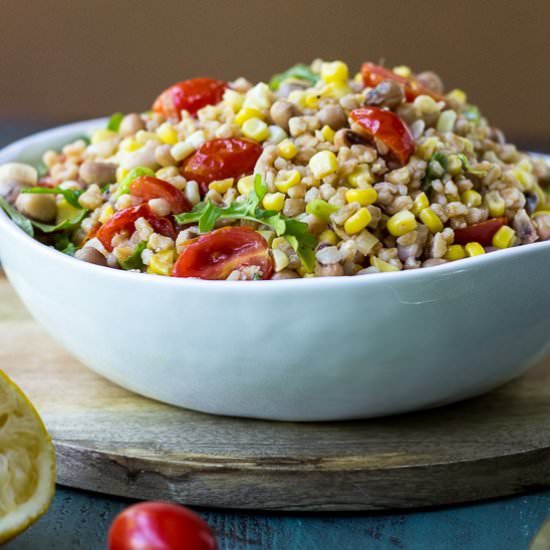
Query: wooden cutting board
column 112, row 441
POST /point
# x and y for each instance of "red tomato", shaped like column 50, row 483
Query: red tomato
column 124, row 221
column 481, row 233
column 388, row 128
column 374, row 74
column 215, row 255
column 190, row 95
column 218, row 159
column 160, row 526
column 148, row 187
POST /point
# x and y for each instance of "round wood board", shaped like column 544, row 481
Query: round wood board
column 112, row 441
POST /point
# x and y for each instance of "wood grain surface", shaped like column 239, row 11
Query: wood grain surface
column 109, row 440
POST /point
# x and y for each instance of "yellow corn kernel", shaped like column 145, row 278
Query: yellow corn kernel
column 362, row 196
column 429, row 146
column 495, row 203
column 311, row 101
column 256, row 129
column 121, row 173
column 267, row 235
column 102, row 135
column 420, row 202
column 403, row 70
column 287, row 149
column 167, row 172
column 328, row 236
column 221, row 186
column 298, row 97
column 381, row 265
column 426, row 105
column 474, row 249
column 246, row 113
column 162, row 263
column 505, row 237
column 129, row 144
column 455, row 252
column 361, row 177
column 357, row 222
column 279, row 242
column 542, row 196
column 471, row 198
column 167, row 133
column 276, row 134
column 431, row 220
column 280, row 259
column 525, row 178
column 286, row 179
column 259, row 97
column 274, row 201
column 336, row 90
column 142, row 136
column 233, row 99
column 401, row 223
column 328, row 133
column 454, row 165
column 458, row 95
column 358, row 78
column 182, row 150
column 323, row 164
column 245, row 185
column 337, row 71
column 106, row 213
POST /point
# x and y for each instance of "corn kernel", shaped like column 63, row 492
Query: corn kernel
column 246, row 114
column 280, row 259
column 267, row 235
column 274, row 201
column 337, row 71
column 328, row 236
column 471, row 198
column 361, row 177
column 128, row 145
column 362, row 196
column 474, row 249
column 298, row 97
column 336, row 90
column 287, row 149
column 458, row 95
column 426, row 149
column 426, row 105
column 233, row 99
column 455, row 252
column 311, row 101
column 401, row 223
column 357, row 222
column 446, row 121
column 420, row 202
column 143, row 136
column 221, row 186
column 505, row 237
column 102, row 135
column 255, row 129
column 542, row 196
column 381, row 265
column 167, row 133
column 162, row 263
column 279, row 242
column 182, row 150
column 525, row 178
column 259, row 97
column 276, row 134
column 196, row 139
column 286, row 179
column 121, row 173
column 431, row 220
column 454, row 165
column 328, row 133
column 403, row 71
column 106, row 213
column 245, row 185
column 495, row 203
column 323, row 164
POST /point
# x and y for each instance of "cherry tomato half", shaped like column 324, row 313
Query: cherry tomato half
column 388, row 128
column 218, row 159
column 124, row 221
column 374, row 74
column 215, row 255
column 481, row 233
column 160, row 526
column 190, row 95
column 148, row 187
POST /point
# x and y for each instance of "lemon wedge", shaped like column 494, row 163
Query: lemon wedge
column 27, row 462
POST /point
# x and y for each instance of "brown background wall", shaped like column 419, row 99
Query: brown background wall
column 68, row 59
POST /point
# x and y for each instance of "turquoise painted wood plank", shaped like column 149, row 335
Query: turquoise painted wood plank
column 79, row 520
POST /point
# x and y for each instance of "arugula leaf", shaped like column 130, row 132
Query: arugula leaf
column 16, row 217
column 209, row 217
column 114, row 122
column 135, row 261
column 70, row 195
column 65, row 225
column 260, row 188
column 63, row 243
column 124, row 186
column 298, row 71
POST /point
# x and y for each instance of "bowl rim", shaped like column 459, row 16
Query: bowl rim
column 11, row 152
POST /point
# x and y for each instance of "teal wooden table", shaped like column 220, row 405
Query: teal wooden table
column 79, row 520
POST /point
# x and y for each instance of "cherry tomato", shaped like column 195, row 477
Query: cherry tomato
column 160, row 526
column 481, row 233
column 374, row 74
column 124, row 221
column 215, row 255
column 148, row 187
column 218, row 159
column 190, row 95
column 388, row 128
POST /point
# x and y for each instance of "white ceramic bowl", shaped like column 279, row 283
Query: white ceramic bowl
column 316, row 349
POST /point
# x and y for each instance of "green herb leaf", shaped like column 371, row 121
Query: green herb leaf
column 70, row 195
column 321, row 209
column 135, row 261
column 65, row 225
column 260, row 188
column 209, row 217
column 472, row 114
column 63, row 243
column 437, row 166
column 277, row 223
column 16, row 217
column 114, row 122
column 299, row 71
column 124, row 186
